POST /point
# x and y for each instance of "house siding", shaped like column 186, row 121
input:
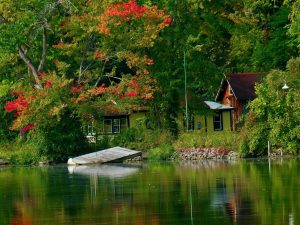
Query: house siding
column 137, row 119
column 231, row 100
column 207, row 125
column 225, row 122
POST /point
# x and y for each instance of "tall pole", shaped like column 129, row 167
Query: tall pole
column 185, row 92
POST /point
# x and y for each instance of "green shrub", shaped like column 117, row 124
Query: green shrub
column 199, row 139
column 60, row 140
column 162, row 152
column 141, row 138
column 19, row 153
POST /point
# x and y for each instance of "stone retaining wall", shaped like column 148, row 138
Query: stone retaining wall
column 195, row 154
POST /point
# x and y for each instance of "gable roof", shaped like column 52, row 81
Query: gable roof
column 242, row 85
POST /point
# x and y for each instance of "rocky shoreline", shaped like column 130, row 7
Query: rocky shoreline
column 195, row 154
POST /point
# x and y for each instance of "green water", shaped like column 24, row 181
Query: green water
column 252, row 192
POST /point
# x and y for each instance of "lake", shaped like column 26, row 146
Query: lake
column 208, row 192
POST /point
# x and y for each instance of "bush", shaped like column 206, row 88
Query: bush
column 162, row 152
column 199, row 139
column 141, row 138
column 274, row 115
column 19, row 153
column 61, row 140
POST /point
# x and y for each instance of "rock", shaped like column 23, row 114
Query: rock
column 196, row 154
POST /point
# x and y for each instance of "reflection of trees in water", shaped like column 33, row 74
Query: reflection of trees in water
column 207, row 193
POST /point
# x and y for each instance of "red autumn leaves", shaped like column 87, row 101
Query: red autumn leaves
column 126, row 10
column 126, row 21
column 117, row 14
column 19, row 106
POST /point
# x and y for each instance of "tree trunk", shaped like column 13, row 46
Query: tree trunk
column 31, row 66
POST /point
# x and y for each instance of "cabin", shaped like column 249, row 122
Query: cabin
column 237, row 90
column 217, row 118
column 115, row 123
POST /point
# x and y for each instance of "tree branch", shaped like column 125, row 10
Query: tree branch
column 101, row 75
column 33, row 70
column 44, row 51
column 3, row 19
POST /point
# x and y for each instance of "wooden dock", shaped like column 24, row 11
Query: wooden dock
column 115, row 154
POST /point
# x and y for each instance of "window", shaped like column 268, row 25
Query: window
column 91, row 134
column 91, row 129
column 199, row 126
column 114, row 125
column 218, row 125
column 107, row 126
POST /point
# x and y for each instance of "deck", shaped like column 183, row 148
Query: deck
column 115, row 154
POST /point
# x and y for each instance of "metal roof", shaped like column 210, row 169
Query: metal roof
column 215, row 105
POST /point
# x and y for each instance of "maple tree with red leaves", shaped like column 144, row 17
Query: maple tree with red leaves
column 113, row 71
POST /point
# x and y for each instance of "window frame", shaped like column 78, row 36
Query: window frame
column 115, row 128
column 220, row 121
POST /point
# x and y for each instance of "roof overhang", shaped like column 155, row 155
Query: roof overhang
column 222, row 88
column 217, row 106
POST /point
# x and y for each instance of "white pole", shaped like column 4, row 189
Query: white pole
column 269, row 149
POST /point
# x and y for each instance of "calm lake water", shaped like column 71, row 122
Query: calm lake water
column 252, row 192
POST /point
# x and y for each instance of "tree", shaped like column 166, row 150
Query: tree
column 100, row 64
column 274, row 114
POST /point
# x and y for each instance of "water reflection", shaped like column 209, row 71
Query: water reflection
column 239, row 193
column 106, row 170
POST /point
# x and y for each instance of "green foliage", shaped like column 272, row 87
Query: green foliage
column 162, row 152
column 60, row 140
column 20, row 153
column 199, row 139
column 274, row 114
column 141, row 138
column 6, row 134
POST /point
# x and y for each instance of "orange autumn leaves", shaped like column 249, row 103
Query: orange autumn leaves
column 138, row 88
column 116, row 15
column 122, row 33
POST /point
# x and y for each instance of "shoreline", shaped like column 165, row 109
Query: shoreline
column 187, row 155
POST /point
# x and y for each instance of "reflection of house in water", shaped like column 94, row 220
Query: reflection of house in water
column 233, row 203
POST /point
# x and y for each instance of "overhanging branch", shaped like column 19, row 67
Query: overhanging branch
column 33, row 70
column 44, row 51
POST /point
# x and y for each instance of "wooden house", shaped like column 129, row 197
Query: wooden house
column 217, row 119
column 237, row 90
column 115, row 123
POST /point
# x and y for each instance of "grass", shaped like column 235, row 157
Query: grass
column 199, row 139
column 158, row 144
column 18, row 153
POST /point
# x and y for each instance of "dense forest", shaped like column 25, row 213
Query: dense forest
column 64, row 63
